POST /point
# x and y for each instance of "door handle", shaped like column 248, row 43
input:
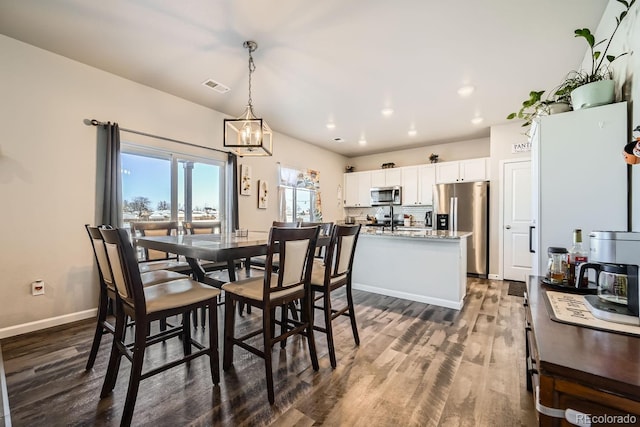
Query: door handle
column 531, row 227
column 508, row 227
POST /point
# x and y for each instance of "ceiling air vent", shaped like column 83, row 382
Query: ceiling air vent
column 218, row 87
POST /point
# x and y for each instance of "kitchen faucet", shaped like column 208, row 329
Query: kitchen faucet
column 391, row 214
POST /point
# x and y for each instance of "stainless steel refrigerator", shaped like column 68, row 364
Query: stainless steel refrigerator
column 467, row 205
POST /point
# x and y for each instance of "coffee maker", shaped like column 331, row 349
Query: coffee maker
column 617, row 299
column 614, row 256
column 428, row 219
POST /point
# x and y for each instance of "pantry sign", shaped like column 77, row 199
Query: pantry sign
column 521, row 147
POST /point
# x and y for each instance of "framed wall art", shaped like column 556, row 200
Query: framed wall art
column 245, row 180
column 263, row 194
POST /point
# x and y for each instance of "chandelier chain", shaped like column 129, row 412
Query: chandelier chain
column 252, row 68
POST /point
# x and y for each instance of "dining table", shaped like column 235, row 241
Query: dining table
column 221, row 247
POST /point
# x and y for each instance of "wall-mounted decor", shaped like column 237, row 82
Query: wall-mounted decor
column 245, row 180
column 263, row 194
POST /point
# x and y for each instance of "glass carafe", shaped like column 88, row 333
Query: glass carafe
column 557, row 265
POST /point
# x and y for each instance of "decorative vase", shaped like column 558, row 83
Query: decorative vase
column 559, row 107
column 593, row 94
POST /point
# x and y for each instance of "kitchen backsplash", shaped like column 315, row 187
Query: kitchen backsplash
column 418, row 212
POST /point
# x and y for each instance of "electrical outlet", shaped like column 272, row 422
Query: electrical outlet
column 37, row 287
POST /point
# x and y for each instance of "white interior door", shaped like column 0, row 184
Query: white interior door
column 516, row 220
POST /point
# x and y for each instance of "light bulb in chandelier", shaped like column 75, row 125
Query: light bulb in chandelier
column 251, row 134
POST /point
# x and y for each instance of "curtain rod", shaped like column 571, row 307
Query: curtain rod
column 94, row 122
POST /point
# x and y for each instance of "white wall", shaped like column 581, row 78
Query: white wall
column 48, row 160
column 290, row 152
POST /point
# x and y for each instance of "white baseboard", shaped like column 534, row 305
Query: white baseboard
column 457, row 305
column 494, row 276
column 47, row 323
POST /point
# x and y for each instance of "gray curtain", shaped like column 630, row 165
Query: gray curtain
column 112, row 199
column 232, row 164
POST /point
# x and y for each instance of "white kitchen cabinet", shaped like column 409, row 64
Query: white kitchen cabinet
column 578, row 177
column 357, row 186
column 474, row 169
column 386, row 177
column 426, row 179
column 410, row 190
column 463, row 171
column 417, row 185
column 447, row 172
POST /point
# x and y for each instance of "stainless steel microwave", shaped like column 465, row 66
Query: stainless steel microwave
column 384, row 196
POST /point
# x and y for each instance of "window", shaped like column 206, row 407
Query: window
column 160, row 185
column 299, row 194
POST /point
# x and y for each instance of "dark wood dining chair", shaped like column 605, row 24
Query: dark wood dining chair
column 325, row 230
column 107, row 295
column 295, row 247
column 261, row 260
column 151, row 258
column 144, row 305
column 335, row 274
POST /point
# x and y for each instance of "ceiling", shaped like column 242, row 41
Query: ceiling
column 327, row 61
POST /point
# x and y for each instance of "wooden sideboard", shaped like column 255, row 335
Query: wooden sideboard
column 574, row 371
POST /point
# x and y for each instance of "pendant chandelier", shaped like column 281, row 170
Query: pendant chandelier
column 248, row 135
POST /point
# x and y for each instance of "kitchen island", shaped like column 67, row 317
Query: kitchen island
column 423, row 266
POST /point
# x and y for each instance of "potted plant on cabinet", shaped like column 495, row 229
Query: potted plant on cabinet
column 580, row 88
column 535, row 106
column 596, row 86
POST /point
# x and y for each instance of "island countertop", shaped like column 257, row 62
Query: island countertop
column 420, row 233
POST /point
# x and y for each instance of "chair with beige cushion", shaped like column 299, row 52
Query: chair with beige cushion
column 295, row 247
column 146, row 304
column 108, row 291
column 153, row 259
column 325, row 230
column 261, row 260
column 334, row 274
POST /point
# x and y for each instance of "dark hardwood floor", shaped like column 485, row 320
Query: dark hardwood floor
column 417, row 365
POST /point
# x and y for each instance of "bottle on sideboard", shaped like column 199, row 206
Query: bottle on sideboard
column 577, row 255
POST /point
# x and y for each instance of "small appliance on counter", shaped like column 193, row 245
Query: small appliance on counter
column 618, row 247
column 428, row 219
column 618, row 298
column 442, row 221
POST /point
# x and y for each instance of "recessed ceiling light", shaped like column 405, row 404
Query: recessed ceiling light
column 387, row 111
column 477, row 120
column 412, row 132
column 466, row 90
column 362, row 141
column 331, row 125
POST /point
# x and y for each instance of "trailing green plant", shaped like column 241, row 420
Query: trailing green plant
column 531, row 108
